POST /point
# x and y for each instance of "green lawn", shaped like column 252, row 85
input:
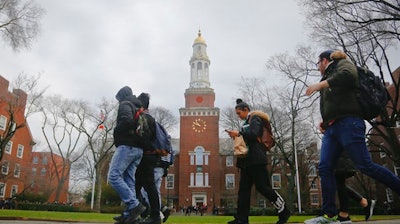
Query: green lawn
column 107, row 218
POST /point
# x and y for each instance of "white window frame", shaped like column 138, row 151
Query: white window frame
column 170, row 181
column 199, row 180
column 2, row 189
column 3, row 122
column 314, row 200
column 229, row 181
column 5, row 167
column 14, row 190
column 276, row 184
column 20, row 151
column 43, row 172
column 8, row 148
column 313, row 185
column 17, row 170
column 313, row 170
column 229, row 161
column 389, row 195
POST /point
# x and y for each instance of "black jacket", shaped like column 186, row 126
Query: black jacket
column 123, row 134
column 257, row 154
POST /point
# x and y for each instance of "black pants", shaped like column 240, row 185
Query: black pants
column 344, row 192
column 145, row 179
column 257, row 175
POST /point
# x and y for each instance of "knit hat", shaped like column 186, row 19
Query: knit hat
column 326, row 54
column 240, row 104
column 145, row 99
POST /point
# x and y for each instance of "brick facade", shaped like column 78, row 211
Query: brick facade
column 17, row 154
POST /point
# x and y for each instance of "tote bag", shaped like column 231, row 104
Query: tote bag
column 239, row 148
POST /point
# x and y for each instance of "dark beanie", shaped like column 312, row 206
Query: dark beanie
column 240, row 104
column 326, row 54
column 145, row 99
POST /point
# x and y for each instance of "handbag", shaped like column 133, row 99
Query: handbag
column 239, row 147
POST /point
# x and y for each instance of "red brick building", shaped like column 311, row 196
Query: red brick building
column 17, row 153
column 43, row 179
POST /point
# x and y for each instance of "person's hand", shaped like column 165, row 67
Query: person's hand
column 232, row 133
column 321, row 127
column 312, row 89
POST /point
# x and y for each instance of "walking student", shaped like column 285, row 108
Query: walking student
column 344, row 170
column 145, row 171
column 253, row 170
column 344, row 129
column 127, row 156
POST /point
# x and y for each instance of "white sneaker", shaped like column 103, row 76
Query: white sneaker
column 322, row 220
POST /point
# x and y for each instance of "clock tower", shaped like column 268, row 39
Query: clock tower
column 199, row 135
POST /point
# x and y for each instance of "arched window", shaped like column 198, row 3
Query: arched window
column 199, row 66
column 199, row 155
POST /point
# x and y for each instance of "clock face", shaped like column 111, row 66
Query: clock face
column 199, row 125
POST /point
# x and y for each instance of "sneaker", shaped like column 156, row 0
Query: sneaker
column 135, row 213
column 283, row 216
column 324, row 219
column 151, row 220
column 343, row 220
column 166, row 212
column 369, row 210
column 118, row 218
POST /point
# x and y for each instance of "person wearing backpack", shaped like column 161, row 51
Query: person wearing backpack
column 145, row 171
column 253, row 167
column 343, row 127
column 127, row 156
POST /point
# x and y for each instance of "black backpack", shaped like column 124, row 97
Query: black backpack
column 141, row 130
column 372, row 94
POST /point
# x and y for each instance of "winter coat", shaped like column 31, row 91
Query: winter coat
column 250, row 131
column 339, row 100
column 123, row 129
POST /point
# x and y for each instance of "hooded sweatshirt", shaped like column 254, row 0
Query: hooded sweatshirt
column 123, row 132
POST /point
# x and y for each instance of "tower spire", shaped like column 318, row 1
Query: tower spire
column 199, row 64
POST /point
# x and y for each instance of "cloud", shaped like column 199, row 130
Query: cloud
column 89, row 49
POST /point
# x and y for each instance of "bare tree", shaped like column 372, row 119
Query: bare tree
column 61, row 137
column 367, row 31
column 292, row 115
column 164, row 117
column 27, row 95
column 19, row 22
column 98, row 130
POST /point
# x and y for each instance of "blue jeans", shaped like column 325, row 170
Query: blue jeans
column 121, row 174
column 348, row 134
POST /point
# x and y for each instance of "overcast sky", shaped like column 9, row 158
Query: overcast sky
column 90, row 49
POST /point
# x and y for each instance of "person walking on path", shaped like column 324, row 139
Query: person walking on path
column 344, row 170
column 344, row 129
column 127, row 156
column 253, row 170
